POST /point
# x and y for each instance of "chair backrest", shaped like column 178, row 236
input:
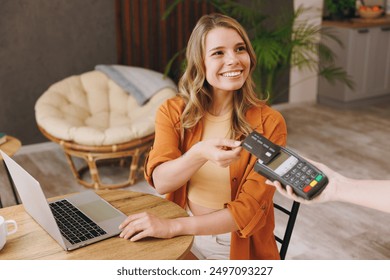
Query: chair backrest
column 292, row 215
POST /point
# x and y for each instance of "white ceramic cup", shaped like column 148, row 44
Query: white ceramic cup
column 4, row 230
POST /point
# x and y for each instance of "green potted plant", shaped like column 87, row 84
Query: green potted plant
column 339, row 9
column 287, row 43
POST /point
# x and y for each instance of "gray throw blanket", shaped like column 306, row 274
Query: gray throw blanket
column 139, row 82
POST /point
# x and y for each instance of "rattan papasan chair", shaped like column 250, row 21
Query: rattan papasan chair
column 104, row 116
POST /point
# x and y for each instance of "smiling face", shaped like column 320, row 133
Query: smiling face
column 226, row 60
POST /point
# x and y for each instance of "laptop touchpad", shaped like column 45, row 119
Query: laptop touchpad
column 98, row 211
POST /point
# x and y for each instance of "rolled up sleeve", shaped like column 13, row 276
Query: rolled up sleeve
column 250, row 209
column 166, row 142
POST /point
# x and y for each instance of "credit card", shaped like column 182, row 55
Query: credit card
column 260, row 147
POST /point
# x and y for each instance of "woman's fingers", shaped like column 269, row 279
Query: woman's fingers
column 226, row 143
column 138, row 226
column 133, row 224
column 222, row 151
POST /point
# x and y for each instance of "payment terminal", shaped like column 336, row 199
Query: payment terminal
column 281, row 164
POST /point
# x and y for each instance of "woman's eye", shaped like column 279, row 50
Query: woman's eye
column 218, row 53
column 240, row 49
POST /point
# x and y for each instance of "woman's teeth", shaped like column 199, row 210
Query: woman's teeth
column 231, row 74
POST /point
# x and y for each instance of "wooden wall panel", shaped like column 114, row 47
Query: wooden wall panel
column 144, row 39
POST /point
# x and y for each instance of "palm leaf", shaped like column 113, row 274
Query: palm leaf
column 333, row 74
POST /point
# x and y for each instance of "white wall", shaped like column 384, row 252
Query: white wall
column 304, row 84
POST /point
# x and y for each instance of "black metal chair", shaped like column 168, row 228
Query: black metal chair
column 285, row 241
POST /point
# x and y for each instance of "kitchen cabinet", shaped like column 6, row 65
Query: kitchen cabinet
column 365, row 55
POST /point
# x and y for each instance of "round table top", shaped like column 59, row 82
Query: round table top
column 32, row 242
column 11, row 146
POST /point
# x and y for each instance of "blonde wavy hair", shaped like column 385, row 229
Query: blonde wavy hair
column 193, row 87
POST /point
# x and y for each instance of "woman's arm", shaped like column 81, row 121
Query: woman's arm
column 142, row 225
column 167, row 169
column 172, row 174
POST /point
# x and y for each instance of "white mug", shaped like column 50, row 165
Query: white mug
column 4, row 230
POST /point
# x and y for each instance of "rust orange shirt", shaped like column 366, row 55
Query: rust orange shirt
column 251, row 203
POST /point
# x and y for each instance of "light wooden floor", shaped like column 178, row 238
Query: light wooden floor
column 355, row 142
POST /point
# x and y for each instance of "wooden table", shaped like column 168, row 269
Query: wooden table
column 32, row 242
column 10, row 147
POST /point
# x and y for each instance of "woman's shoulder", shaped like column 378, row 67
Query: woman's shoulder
column 175, row 102
column 173, row 105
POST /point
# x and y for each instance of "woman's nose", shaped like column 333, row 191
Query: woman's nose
column 231, row 58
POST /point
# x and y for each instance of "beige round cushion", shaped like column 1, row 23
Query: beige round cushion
column 91, row 109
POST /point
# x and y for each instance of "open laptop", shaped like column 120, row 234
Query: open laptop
column 97, row 218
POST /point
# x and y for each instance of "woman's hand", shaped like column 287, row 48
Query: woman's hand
column 172, row 174
column 142, row 225
column 220, row 151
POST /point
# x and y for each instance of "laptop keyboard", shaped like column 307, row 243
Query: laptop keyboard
column 73, row 224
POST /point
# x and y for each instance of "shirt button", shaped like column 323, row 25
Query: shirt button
column 234, row 180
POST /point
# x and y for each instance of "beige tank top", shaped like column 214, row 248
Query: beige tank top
column 210, row 185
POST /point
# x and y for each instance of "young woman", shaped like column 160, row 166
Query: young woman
column 196, row 158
